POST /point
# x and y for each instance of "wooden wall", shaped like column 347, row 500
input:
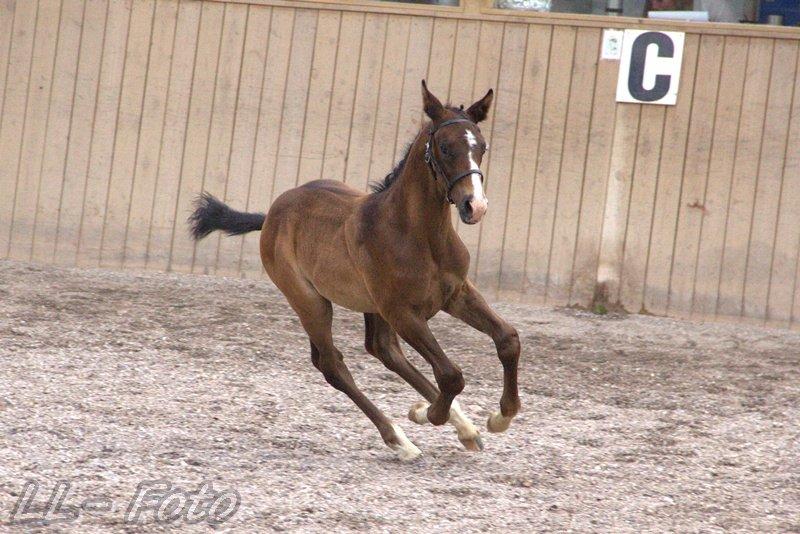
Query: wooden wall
column 116, row 113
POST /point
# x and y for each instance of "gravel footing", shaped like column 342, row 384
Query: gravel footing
column 629, row 423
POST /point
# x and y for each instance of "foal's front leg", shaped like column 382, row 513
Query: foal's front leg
column 449, row 378
column 469, row 306
column 381, row 342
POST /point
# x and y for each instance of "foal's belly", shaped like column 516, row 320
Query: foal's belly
column 332, row 273
column 350, row 296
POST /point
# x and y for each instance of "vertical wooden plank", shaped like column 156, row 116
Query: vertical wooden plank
column 783, row 282
column 58, row 126
column 549, row 162
column 416, row 68
column 720, row 170
column 595, row 184
column 35, row 130
column 176, row 119
column 223, row 115
column 388, row 107
column 294, row 106
column 362, row 129
column 615, row 212
column 795, row 323
column 440, row 65
column 668, row 189
column 12, row 118
column 465, row 56
column 487, row 71
column 640, row 210
column 526, row 152
column 319, row 96
column 503, row 139
column 770, row 180
column 198, row 131
column 270, row 114
column 104, row 131
column 742, row 197
column 244, row 135
column 344, row 89
column 7, row 10
column 576, row 140
column 126, row 143
column 84, row 105
column 151, row 134
column 687, row 233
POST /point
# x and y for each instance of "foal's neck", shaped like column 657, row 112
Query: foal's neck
column 418, row 195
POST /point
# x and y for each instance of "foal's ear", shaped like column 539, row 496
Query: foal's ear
column 433, row 108
column 480, row 109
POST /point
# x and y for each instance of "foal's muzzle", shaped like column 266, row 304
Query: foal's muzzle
column 471, row 210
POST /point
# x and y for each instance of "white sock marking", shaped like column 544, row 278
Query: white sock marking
column 419, row 413
column 405, row 449
column 461, row 422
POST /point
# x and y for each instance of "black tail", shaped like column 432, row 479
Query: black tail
column 211, row 214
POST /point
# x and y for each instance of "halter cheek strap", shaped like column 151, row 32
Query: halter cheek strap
column 450, row 182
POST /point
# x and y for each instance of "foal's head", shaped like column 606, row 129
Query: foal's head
column 455, row 150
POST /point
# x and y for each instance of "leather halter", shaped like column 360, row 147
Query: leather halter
column 450, row 182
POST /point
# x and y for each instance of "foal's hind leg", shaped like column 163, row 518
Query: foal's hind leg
column 469, row 306
column 316, row 316
column 381, row 342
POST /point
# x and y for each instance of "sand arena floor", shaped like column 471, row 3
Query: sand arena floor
column 630, row 423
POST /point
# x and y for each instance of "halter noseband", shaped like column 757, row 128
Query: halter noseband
column 450, row 182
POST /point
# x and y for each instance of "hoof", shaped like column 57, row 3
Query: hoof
column 498, row 422
column 406, row 454
column 472, row 444
column 403, row 447
column 468, row 435
column 419, row 413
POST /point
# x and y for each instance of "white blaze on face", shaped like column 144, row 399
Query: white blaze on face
column 477, row 184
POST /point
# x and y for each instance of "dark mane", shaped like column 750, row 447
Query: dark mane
column 390, row 178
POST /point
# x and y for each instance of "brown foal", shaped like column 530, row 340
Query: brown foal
column 394, row 256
